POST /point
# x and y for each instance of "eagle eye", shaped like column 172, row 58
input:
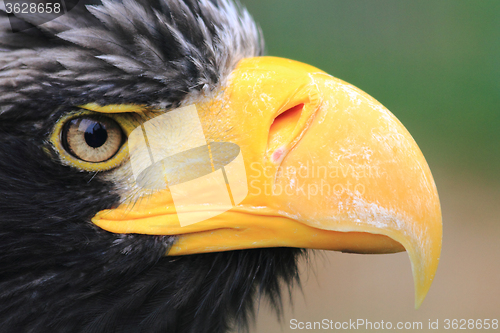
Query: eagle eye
column 92, row 139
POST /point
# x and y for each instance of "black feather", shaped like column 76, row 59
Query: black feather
column 58, row 271
column 173, row 47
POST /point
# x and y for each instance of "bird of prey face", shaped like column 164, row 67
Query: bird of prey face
column 86, row 248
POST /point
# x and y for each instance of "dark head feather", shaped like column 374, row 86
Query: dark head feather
column 59, row 272
column 131, row 51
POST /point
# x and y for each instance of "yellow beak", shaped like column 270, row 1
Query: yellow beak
column 325, row 167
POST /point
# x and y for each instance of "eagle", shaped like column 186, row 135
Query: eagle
column 125, row 128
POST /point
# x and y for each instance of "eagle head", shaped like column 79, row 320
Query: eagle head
column 157, row 173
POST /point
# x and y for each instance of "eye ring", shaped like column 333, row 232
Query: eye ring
column 72, row 156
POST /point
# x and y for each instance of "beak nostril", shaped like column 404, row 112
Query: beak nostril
column 283, row 127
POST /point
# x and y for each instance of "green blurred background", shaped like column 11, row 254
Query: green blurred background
column 436, row 65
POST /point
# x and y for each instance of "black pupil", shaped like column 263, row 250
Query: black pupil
column 96, row 135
